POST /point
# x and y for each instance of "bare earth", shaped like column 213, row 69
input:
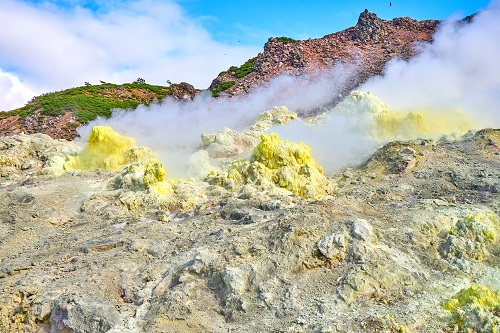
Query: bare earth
column 379, row 255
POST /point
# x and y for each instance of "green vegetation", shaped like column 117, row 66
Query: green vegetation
column 90, row 101
column 244, row 69
column 7, row 114
column 223, row 86
column 286, row 40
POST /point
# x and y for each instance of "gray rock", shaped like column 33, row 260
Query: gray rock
column 82, row 313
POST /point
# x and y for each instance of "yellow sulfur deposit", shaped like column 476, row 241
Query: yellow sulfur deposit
column 475, row 309
column 285, row 164
column 275, row 153
column 470, row 236
column 105, row 149
column 108, row 150
column 478, row 226
column 389, row 124
column 146, row 174
column 476, row 294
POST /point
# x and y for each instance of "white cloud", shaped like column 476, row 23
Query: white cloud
column 51, row 47
column 12, row 91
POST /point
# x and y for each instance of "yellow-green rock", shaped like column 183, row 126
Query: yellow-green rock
column 475, row 309
column 286, row 165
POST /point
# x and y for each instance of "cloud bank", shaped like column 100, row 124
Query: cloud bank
column 50, row 46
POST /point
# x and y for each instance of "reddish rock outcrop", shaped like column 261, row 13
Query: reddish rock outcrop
column 368, row 46
column 58, row 127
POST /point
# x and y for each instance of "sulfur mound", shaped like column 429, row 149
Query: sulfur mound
column 108, row 150
column 228, row 143
column 105, row 149
column 23, row 152
column 475, row 309
column 146, row 174
column 470, row 236
column 389, row 124
column 280, row 115
column 287, row 165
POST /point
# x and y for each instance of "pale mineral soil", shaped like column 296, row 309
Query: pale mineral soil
column 376, row 256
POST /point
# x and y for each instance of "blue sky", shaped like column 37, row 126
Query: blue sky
column 255, row 21
column 53, row 44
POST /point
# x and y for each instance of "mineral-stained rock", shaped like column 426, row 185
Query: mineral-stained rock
column 284, row 164
column 31, row 152
column 470, row 236
column 228, row 143
column 368, row 257
column 475, row 309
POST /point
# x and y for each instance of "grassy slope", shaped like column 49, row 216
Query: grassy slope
column 88, row 102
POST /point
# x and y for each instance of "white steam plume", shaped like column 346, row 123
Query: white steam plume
column 173, row 128
column 459, row 70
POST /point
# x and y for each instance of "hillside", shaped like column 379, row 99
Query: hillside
column 58, row 114
column 367, row 46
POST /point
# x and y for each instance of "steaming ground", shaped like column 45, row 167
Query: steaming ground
column 457, row 73
column 173, row 128
column 409, row 242
column 458, row 70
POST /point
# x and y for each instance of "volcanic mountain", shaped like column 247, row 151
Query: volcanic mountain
column 366, row 48
column 262, row 232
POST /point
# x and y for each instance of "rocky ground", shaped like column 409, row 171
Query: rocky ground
column 398, row 237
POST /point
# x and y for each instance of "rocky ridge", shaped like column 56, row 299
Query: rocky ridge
column 367, row 46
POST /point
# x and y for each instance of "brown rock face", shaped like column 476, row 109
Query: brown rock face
column 368, row 46
column 58, row 127
column 183, row 90
column 369, row 27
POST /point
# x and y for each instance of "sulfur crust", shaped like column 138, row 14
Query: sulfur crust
column 106, row 149
column 403, row 124
column 284, row 164
column 475, row 309
column 476, row 294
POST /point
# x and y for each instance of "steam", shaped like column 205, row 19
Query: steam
column 459, row 70
column 172, row 128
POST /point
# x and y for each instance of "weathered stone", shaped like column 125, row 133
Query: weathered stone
column 82, row 313
column 183, row 90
